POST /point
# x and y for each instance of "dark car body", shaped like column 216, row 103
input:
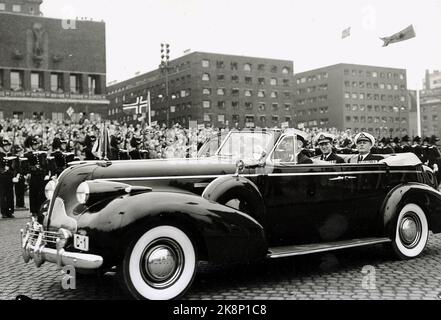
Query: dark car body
column 264, row 208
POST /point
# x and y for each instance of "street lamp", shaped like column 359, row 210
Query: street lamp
column 165, row 57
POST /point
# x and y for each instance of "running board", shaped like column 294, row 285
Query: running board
column 288, row 251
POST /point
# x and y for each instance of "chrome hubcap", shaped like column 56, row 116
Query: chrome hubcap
column 162, row 263
column 410, row 229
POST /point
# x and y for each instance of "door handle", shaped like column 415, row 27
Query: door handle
column 350, row 177
column 339, row 178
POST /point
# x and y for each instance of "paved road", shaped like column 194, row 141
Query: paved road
column 322, row 276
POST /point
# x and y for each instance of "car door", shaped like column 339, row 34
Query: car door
column 303, row 201
column 365, row 188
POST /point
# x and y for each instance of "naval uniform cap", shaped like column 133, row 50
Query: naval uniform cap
column 324, row 137
column 364, row 136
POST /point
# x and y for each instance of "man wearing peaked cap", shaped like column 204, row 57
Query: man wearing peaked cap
column 325, row 142
column 6, row 177
column 364, row 142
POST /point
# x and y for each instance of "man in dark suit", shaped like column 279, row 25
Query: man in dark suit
column 325, row 142
column 364, row 142
column 285, row 150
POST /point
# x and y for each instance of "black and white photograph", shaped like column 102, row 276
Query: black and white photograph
column 233, row 151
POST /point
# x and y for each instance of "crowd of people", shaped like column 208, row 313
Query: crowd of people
column 32, row 152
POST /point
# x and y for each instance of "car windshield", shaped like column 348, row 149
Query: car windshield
column 247, row 145
column 211, row 145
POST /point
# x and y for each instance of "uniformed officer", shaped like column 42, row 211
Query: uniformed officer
column 19, row 180
column 405, row 144
column 38, row 171
column 116, row 150
column 417, row 149
column 6, row 177
column 89, row 142
column 136, row 152
column 396, row 145
column 325, row 142
column 59, row 157
column 364, row 142
column 387, row 148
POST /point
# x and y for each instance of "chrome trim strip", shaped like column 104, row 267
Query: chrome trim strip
column 253, row 175
column 322, row 247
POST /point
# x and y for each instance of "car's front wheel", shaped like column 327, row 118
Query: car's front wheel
column 160, row 264
column 411, row 232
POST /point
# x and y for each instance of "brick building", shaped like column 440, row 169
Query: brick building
column 48, row 66
column 213, row 89
column 430, row 104
column 356, row 97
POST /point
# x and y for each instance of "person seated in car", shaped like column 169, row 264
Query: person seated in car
column 285, row 150
column 325, row 142
column 364, row 142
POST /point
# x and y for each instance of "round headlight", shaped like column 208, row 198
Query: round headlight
column 49, row 189
column 83, row 193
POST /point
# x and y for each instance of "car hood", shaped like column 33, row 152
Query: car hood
column 160, row 174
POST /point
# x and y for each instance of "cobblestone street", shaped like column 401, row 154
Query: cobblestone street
column 363, row 273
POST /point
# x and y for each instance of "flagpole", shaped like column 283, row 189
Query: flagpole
column 418, row 112
column 150, row 108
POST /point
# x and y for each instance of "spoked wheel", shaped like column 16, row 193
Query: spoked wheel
column 411, row 232
column 160, row 265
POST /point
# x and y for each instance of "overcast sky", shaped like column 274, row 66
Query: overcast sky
column 307, row 32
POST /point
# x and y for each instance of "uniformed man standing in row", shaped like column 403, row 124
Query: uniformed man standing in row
column 364, row 142
column 6, row 177
column 59, row 157
column 116, row 149
column 38, row 170
column 19, row 180
column 325, row 141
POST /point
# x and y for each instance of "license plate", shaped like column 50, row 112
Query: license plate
column 81, row 242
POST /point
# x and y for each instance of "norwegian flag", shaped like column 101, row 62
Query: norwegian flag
column 139, row 106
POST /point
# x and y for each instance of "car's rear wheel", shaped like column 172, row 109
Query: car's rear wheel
column 411, row 232
column 160, row 264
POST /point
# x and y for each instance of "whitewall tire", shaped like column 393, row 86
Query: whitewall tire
column 160, row 265
column 411, row 232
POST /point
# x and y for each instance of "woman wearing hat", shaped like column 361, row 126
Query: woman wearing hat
column 364, row 142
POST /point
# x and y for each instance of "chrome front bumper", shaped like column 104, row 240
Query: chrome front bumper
column 35, row 244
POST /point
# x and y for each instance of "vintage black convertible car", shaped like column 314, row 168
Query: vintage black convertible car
column 156, row 219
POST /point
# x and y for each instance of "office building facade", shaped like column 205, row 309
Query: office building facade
column 49, row 68
column 355, row 97
column 212, row 89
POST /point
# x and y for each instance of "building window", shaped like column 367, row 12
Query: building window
column 261, row 81
column 221, row 104
column 221, row 92
column 206, row 104
column 261, row 93
column 248, row 80
column 16, row 8
column 16, row 80
column 261, row 67
column 374, row 74
column 274, row 94
column 235, row 104
column 205, row 63
column 233, row 66
column 207, row 117
column 235, row 79
column 247, row 93
column 262, row 106
column 287, row 106
column 221, row 118
column 286, row 94
column 205, row 77
column 206, row 91
column 1, row 79
column 248, row 105
column 74, row 83
column 220, row 77
column 2, row 7
column 93, row 84
column 247, row 67
column 275, row 118
column 273, row 69
column 275, row 106
column 285, row 70
column 234, row 92
column 36, row 81
column 273, row 81
column 220, row 64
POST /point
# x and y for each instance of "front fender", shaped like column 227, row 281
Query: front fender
column 423, row 195
column 227, row 187
column 222, row 234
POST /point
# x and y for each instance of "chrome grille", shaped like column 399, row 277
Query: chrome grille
column 49, row 238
